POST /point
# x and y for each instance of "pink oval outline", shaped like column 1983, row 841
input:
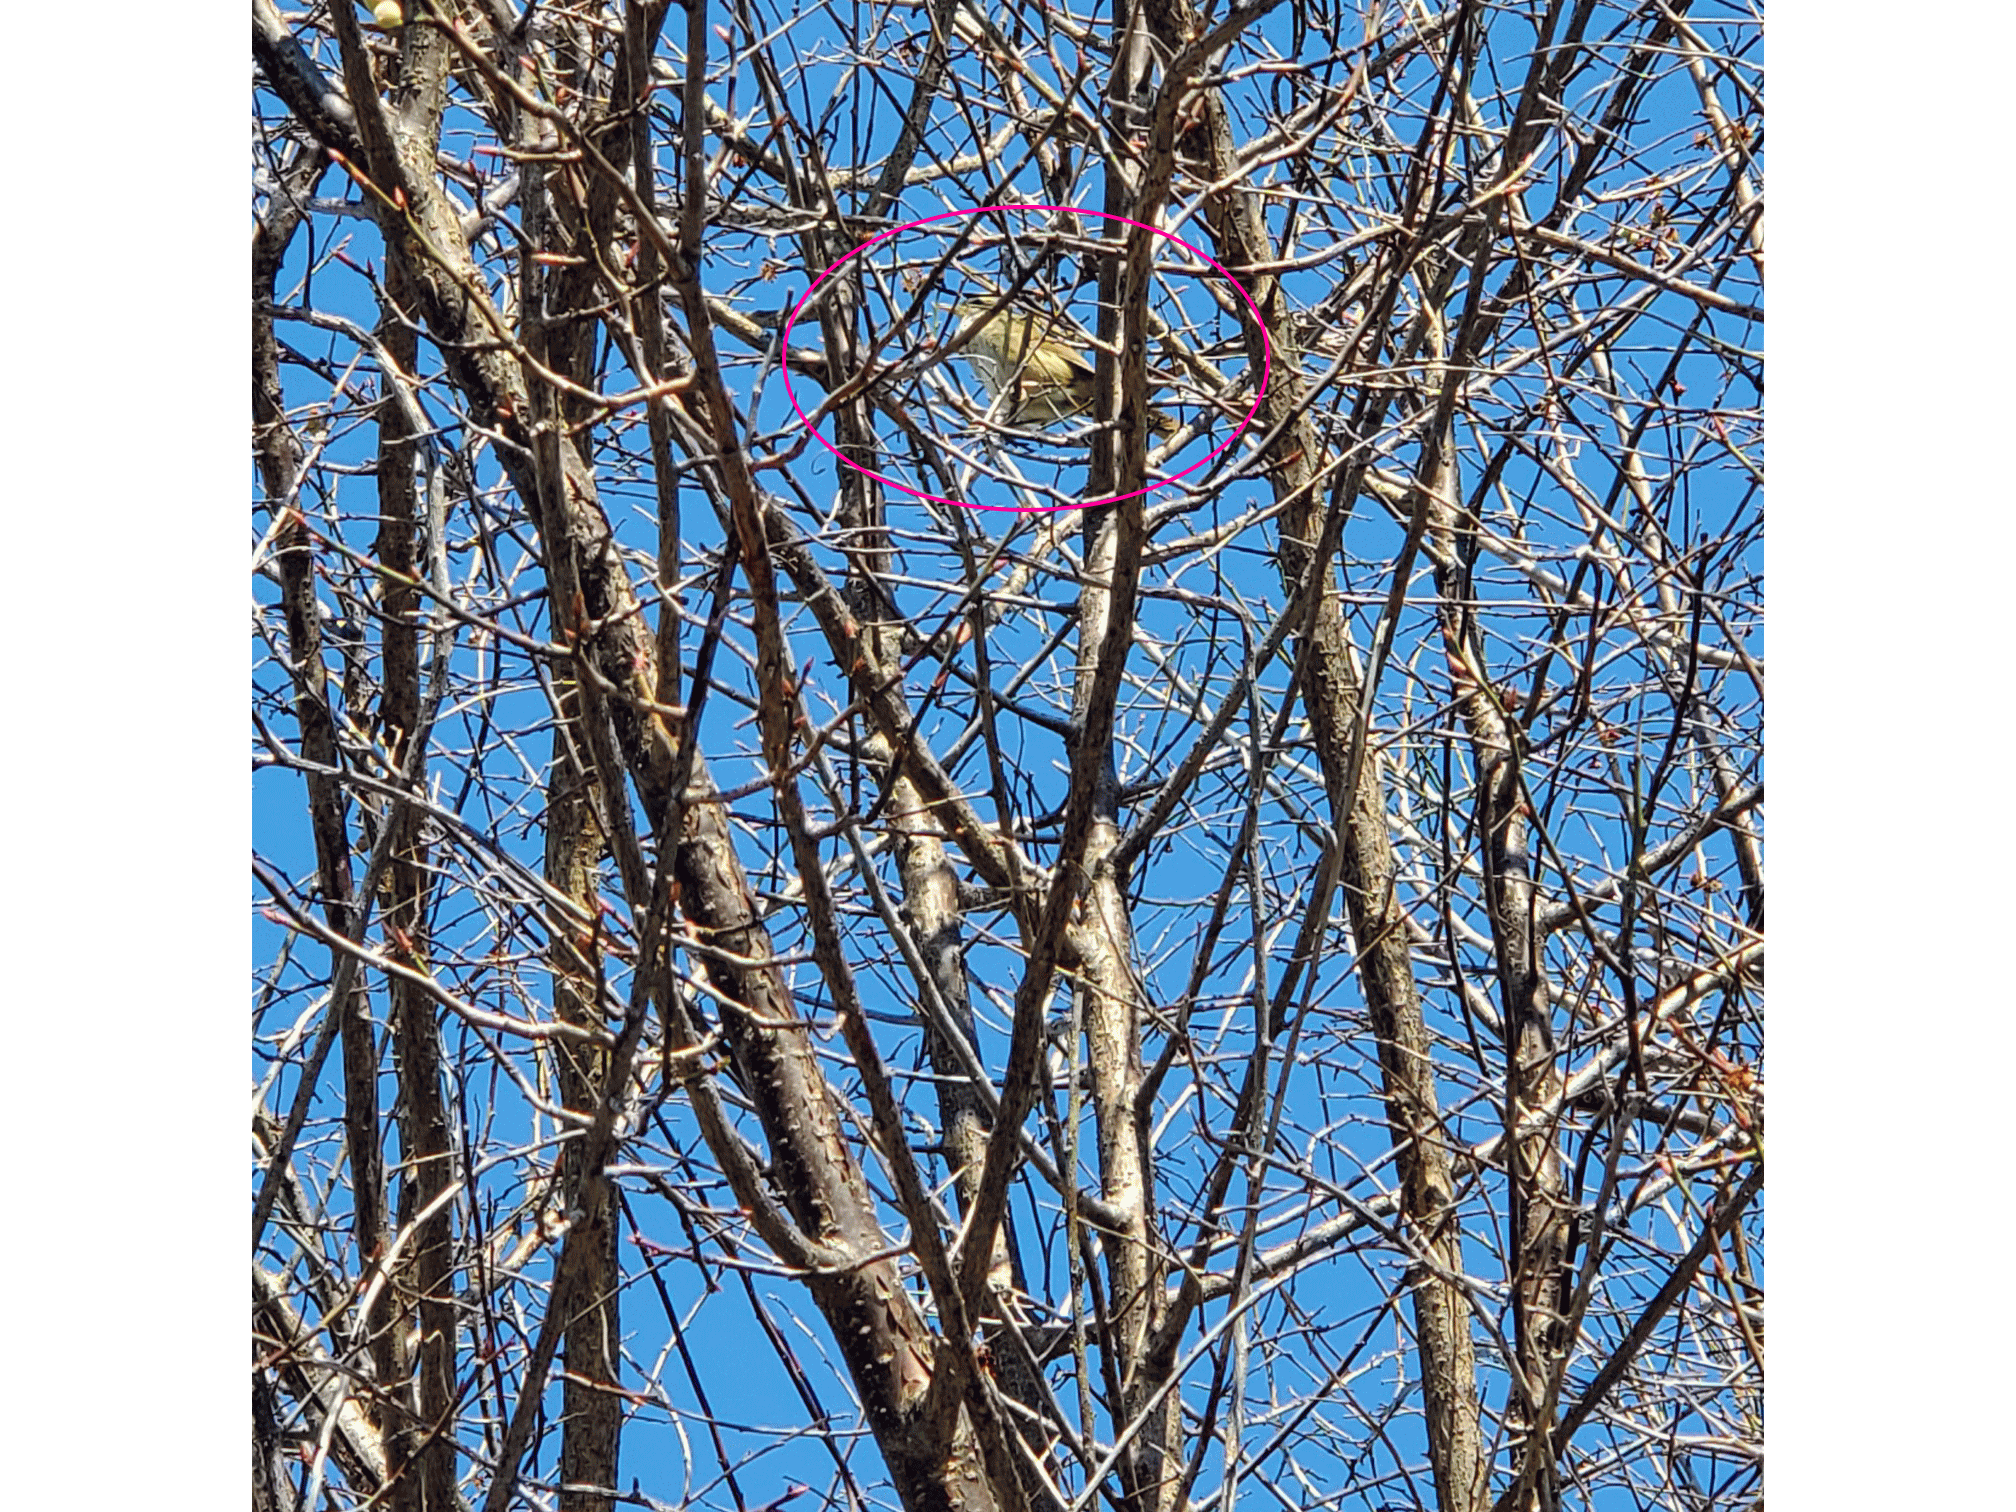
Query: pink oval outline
column 1266, row 358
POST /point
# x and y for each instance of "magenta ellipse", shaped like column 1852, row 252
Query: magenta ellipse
column 1266, row 355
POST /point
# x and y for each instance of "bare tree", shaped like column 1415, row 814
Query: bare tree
column 824, row 942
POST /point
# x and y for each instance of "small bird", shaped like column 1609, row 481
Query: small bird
column 1046, row 378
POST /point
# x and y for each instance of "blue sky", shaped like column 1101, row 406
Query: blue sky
column 1329, row 1108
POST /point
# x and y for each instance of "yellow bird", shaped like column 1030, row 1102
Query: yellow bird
column 1046, row 378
